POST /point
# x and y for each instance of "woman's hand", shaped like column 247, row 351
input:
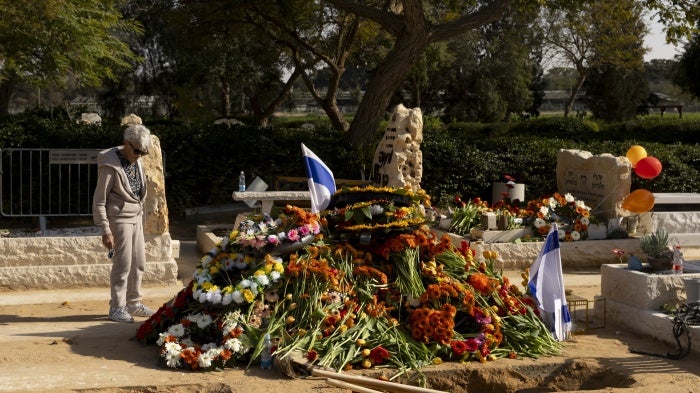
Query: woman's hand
column 108, row 241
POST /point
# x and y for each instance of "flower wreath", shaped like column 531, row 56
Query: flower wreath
column 180, row 346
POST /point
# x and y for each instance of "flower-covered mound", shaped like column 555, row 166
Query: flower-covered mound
column 403, row 301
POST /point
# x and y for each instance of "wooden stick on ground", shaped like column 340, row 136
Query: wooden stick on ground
column 392, row 387
column 350, row 386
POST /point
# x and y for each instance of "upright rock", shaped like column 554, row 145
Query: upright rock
column 602, row 181
column 398, row 160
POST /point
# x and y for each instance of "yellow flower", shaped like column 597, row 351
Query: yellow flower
column 437, row 360
column 279, row 267
column 360, row 342
column 290, row 320
column 248, row 295
column 259, row 273
column 213, row 270
column 233, row 235
column 366, row 363
column 365, row 352
column 228, row 289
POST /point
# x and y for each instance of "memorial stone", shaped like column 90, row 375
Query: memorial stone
column 398, row 160
column 602, row 181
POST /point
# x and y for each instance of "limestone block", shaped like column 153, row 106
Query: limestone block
column 585, row 254
column 63, row 262
column 156, row 207
column 645, row 322
column 641, row 290
column 93, row 275
column 602, row 181
column 398, row 160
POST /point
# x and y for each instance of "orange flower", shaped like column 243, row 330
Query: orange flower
column 482, row 283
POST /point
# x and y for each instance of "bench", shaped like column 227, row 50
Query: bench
column 288, row 189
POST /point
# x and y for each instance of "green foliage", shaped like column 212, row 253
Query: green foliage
column 82, row 37
column 655, row 244
column 202, row 162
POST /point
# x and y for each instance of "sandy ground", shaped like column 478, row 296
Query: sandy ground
column 62, row 341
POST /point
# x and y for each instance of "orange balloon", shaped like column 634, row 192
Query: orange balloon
column 635, row 153
column 648, row 167
column 638, row 201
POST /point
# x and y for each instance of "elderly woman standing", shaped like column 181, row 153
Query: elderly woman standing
column 117, row 207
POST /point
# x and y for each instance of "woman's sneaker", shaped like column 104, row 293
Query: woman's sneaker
column 139, row 310
column 120, row 314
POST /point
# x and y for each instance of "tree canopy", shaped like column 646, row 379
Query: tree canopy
column 42, row 41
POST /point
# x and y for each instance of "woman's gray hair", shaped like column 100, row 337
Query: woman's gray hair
column 139, row 135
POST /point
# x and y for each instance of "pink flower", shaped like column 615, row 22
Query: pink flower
column 293, row 235
column 304, row 230
column 273, row 239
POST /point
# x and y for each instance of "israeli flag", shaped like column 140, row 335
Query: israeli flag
column 321, row 180
column 546, row 285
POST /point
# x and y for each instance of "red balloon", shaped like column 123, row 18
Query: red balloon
column 648, row 167
column 639, row 201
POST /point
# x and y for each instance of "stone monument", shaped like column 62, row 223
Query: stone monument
column 602, row 181
column 398, row 160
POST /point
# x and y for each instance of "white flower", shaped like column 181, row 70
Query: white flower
column 553, row 203
column 581, row 204
column 275, row 275
column 172, row 359
column 237, row 297
column 263, row 280
column 205, row 359
column 585, row 221
column 544, row 210
column 161, row 338
column 282, row 236
column 539, row 222
column 233, row 345
column 254, row 287
column 562, row 234
column 569, row 198
column 575, row 235
column 204, row 320
column 202, row 298
column 227, row 299
column 245, row 283
column 376, row 210
column 176, row 330
column 214, row 297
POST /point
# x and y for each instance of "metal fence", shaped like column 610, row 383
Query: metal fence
column 47, row 182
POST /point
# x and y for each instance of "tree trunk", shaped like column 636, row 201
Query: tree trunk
column 225, row 99
column 6, row 88
column 386, row 79
column 574, row 92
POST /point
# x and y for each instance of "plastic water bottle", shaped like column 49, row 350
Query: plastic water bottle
column 677, row 260
column 266, row 354
column 241, row 182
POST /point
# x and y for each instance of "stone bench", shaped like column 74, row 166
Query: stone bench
column 288, row 188
column 679, row 215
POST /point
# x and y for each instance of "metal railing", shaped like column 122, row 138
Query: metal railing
column 47, row 182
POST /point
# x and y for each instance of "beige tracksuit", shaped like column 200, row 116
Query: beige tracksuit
column 117, row 210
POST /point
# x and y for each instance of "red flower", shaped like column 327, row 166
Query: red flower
column 379, row 355
column 311, row 355
column 471, row 344
column 458, row 347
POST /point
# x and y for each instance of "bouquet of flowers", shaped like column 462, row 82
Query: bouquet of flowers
column 572, row 215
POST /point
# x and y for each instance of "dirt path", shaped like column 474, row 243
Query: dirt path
column 72, row 346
